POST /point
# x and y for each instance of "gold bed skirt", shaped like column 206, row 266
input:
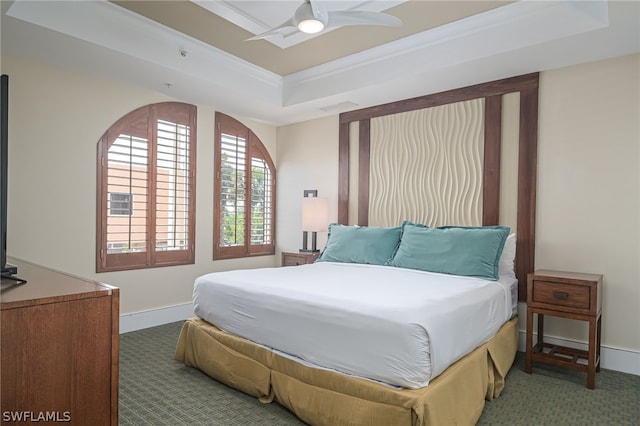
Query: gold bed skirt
column 322, row 397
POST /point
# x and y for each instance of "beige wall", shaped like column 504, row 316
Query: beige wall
column 588, row 186
column 307, row 159
column 56, row 119
column 588, row 183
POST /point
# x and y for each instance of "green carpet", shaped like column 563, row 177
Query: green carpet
column 156, row 390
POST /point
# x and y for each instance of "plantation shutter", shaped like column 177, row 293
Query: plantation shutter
column 146, row 189
column 244, row 199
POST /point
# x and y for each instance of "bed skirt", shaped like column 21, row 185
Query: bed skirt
column 323, row 397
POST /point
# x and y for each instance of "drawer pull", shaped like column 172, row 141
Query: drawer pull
column 561, row 295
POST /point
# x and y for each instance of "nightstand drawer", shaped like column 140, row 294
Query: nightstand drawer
column 573, row 292
column 553, row 293
column 295, row 259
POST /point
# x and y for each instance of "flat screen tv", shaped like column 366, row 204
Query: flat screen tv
column 8, row 270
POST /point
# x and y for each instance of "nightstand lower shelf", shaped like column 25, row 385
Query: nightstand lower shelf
column 576, row 359
column 563, row 356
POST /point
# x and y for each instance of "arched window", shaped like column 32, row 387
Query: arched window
column 146, row 189
column 244, row 198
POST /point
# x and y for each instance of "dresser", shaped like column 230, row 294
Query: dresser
column 570, row 295
column 59, row 349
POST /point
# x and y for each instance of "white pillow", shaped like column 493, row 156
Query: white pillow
column 506, row 267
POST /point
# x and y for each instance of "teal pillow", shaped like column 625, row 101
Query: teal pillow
column 360, row 244
column 469, row 251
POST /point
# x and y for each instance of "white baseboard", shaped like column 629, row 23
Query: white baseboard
column 151, row 318
column 623, row 360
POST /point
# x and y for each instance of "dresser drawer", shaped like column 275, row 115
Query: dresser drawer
column 570, row 295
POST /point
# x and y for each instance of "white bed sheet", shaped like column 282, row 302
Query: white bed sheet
column 398, row 326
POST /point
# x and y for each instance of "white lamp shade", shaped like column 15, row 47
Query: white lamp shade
column 315, row 214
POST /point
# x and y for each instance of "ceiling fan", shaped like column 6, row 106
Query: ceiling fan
column 311, row 18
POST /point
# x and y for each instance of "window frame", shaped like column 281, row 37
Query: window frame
column 176, row 112
column 254, row 149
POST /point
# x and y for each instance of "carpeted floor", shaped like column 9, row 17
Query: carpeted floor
column 156, row 390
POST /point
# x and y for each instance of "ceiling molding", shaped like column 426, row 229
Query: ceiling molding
column 502, row 29
column 518, row 38
column 142, row 38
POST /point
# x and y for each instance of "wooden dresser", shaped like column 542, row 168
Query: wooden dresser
column 59, row 349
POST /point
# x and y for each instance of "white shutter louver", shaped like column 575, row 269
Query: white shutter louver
column 172, row 186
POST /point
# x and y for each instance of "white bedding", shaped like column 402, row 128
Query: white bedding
column 398, row 326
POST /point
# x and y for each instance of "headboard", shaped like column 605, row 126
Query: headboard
column 445, row 150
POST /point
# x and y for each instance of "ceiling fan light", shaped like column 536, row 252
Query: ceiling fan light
column 311, row 26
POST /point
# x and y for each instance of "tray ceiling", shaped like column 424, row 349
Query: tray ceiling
column 183, row 49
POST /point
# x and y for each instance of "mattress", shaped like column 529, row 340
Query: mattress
column 397, row 326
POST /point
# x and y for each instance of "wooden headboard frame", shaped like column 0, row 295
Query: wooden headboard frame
column 492, row 92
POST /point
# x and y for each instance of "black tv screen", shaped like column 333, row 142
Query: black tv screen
column 4, row 164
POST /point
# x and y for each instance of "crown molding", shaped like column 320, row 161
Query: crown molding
column 519, row 38
column 145, row 39
column 511, row 27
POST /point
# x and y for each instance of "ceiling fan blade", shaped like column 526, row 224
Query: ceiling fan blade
column 287, row 24
column 316, row 12
column 319, row 12
column 339, row 19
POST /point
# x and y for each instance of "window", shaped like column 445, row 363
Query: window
column 244, row 200
column 146, row 189
column 120, row 204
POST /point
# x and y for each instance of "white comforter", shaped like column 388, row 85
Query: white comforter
column 398, row 326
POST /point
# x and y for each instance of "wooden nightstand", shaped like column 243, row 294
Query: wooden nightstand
column 568, row 295
column 295, row 259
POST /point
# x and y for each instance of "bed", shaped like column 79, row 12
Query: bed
column 365, row 312
column 314, row 378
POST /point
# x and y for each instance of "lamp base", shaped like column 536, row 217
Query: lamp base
column 304, row 248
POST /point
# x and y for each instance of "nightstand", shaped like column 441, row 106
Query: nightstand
column 568, row 295
column 295, row 259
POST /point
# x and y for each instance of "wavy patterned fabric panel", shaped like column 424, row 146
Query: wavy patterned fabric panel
column 426, row 166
